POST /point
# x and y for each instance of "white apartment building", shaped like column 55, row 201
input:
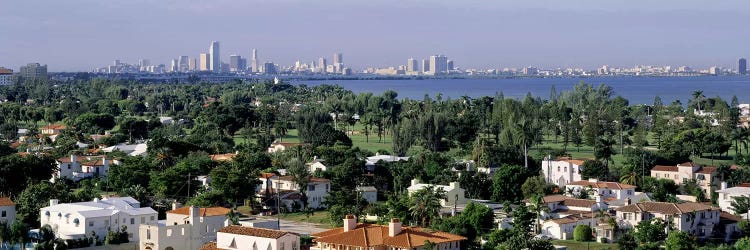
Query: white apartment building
column 690, row 217
column 249, row 238
column 607, row 190
column 454, row 194
column 184, row 228
column 317, row 188
column 79, row 167
column 562, row 170
column 727, row 195
column 77, row 220
column 7, row 210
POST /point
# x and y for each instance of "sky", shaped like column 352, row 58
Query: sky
column 79, row 35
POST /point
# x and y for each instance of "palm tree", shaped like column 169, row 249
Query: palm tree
column 630, row 179
column 233, row 217
column 523, row 132
column 425, row 204
column 740, row 204
column 537, row 205
column 698, row 98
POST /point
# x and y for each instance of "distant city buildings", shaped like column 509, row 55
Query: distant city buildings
column 742, row 69
column 33, row 71
column 411, row 65
column 6, row 76
column 215, row 57
column 205, row 62
column 255, row 62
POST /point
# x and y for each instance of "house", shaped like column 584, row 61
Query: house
column 249, row 238
column 727, row 195
column 7, row 211
column 281, row 146
column 694, row 218
column 607, row 190
column 638, row 197
column 80, row 167
column 562, row 228
column 78, row 220
column 166, row 120
column 369, row 193
column 372, row 161
column 53, row 129
column 707, row 178
column 562, row 170
column 316, row 165
column 223, row 157
column 454, row 194
column 184, row 228
column 394, row 236
column 138, row 149
column 561, row 206
column 317, row 188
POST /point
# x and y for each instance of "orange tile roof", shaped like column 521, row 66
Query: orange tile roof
column 664, row 168
column 368, row 235
column 572, row 218
column 254, row 231
column 5, row 201
column 706, row 170
column 267, row 175
column 578, row 162
column 665, row 207
column 204, row 212
column 602, row 184
column 223, row 157
column 55, row 126
column 743, row 185
column 209, row 246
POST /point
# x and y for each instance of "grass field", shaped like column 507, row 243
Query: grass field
column 318, row 217
column 575, row 245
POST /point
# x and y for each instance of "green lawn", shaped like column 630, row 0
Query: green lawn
column 318, row 217
column 575, row 245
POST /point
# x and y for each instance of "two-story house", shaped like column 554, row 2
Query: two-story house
column 316, row 192
column 607, row 190
column 728, row 195
column 560, row 206
column 78, row 220
column 562, row 170
column 249, row 238
column 454, row 194
column 184, row 228
column 706, row 177
column 80, row 167
column 694, row 218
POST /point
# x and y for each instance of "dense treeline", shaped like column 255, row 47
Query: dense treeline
column 508, row 135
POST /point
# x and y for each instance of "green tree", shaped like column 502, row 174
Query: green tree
column 507, row 182
column 582, row 233
column 425, row 204
column 593, row 169
column 678, row 240
column 650, row 230
column 740, row 204
column 743, row 243
column 627, row 241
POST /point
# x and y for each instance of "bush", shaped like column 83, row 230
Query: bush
column 582, row 233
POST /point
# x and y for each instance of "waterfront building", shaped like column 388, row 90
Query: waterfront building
column 269, row 68
column 235, row 63
column 411, row 65
column 322, row 65
column 182, row 64
column 192, row 64
column 425, row 65
column 254, row 62
column 438, row 65
column 742, row 69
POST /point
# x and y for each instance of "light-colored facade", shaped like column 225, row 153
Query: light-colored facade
column 33, row 71
column 372, row 161
column 6, row 76
column 215, row 57
column 316, row 166
column 77, row 220
column 562, row 170
column 7, row 211
column 394, row 236
column 79, row 167
column 281, row 146
column 561, row 206
column 693, row 218
column 454, row 194
column 412, row 65
column 727, row 195
column 239, row 237
column 317, row 188
column 438, row 65
column 369, row 193
column 706, row 177
column 607, row 190
column 205, row 62
column 184, row 228
column 53, row 129
column 562, row 228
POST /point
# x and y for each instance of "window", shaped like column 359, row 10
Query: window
column 132, row 221
column 558, row 168
column 148, row 234
column 282, row 246
column 91, row 223
column 3, row 214
column 152, row 217
column 311, row 187
column 143, row 220
column 566, row 169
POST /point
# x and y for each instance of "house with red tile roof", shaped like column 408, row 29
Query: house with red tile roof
column 394, row 236
column 697, row 219
column 562, row 170
column 605, row 189
column 7, row 210
column 250, row 238
column 706, row 177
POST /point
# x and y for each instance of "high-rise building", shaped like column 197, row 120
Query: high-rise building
column 33, row 71
column 144, row 63
column 450, row 65
column 254, row 62
column 411, row 65
column 269, row 68
column 205, row 62
column 6, row 76
column 338, row 58
column 182, row 63
column 174, row 66
column 234, row 63
column 425, row 65
column 438, row 65
column 742, row 69
column 715, row 70
column 117, row 63
column 215, row 57
column 322, row 65
column 192, row 64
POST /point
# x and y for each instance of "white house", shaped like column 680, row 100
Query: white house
column 79, row 167
column 281, row 146
column 316, row 165
column 373, row 160
column 454, row 194
column 727, row 195
column 317, row 188
column 184, row 228
column 561, row 206
column 694, row 218
column 77, row 220
column 562, row 170
column 139, row 149
column 562, row 228
column 7, row 210
column 248, row 238
column 369, row 193
column 607, row 190
column 707, row 177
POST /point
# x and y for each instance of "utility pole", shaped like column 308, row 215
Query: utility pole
column 188, row 196
column 278, row 207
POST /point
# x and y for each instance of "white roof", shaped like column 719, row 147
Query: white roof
column 101, row 208
column 130, row 149
column 367, row 189
column 387, row 158
column 735, row 191
column 423, row 185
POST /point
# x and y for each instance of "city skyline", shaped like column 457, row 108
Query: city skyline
column 546, row 34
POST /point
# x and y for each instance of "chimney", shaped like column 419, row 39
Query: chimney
column 414, row 181
column 176, row 205
column 394, row 227
column 195, row 211
column 723, row 185
column 53, row 202
column 73, row 158
column 350, row 223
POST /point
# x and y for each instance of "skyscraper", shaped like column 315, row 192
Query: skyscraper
column 182, row 63
column 269, row 68
column 192, row 64
column 33, row 71
column 322, row 65
column 254, row 63
column 338, row 58
column 411, row 65
column 235, row 62
column 425, row 65
column 205, row 62
column 174, row 66
column 742, row 66
column 438, row 65
column 144, row 63
column 215, row 57
column 450, row 65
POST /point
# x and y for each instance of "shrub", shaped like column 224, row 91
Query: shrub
column 582, row 233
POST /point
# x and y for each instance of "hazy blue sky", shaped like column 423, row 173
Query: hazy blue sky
column 82, row 34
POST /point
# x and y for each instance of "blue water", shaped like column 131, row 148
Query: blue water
column 638, row 90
